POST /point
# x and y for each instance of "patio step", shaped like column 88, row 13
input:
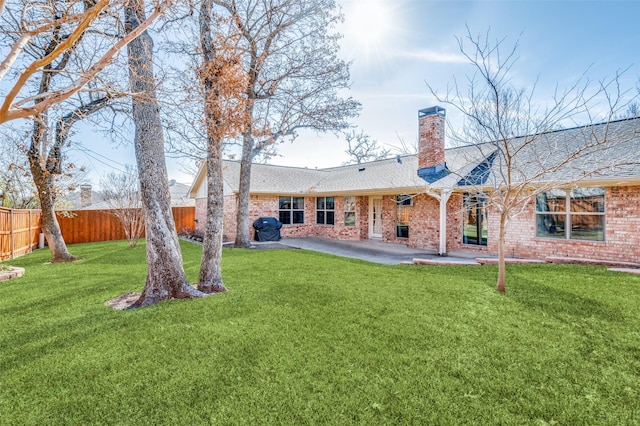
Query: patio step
column 627, row 270
column 508, row 261
column 598, row 262
column 445, row 261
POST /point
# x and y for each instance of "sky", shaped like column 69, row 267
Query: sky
column 397, row 47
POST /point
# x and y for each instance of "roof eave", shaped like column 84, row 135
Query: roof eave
column 202, row 173
column 365, row 192
column 604, row 182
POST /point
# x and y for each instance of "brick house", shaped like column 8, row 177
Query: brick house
column 440, row 198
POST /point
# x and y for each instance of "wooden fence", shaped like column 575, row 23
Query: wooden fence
column 20, row 229
column 19, row 232
column 92, row 226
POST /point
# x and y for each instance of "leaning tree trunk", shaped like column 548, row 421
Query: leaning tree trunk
column 242, row 220
column 210, row 278
column 165, row 276
column 501, row 254
column 43, row 179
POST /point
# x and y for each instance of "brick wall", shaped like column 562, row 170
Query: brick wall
column 454, row 223
column 362, row 218
column 267, row 205
column 622, row 226
column 201, row 214
column 424, row 222
column 622, row 236
column 229, row 217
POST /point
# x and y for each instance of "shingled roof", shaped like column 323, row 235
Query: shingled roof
column 618, row 163
column 388, row 176
column 606, row 152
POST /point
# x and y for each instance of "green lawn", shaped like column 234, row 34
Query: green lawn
column 306, row 338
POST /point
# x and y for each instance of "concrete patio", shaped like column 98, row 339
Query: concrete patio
column 375, row 251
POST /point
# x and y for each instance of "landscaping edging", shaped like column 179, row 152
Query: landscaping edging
column 12, row 272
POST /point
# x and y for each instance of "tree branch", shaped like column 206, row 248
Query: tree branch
column 46, row 100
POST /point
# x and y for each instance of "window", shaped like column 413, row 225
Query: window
column 404, row 200
column 576, row 214
column 324, row 210
column 474, row 229
column 403, row 206
column 291, row 210
column 349, row 211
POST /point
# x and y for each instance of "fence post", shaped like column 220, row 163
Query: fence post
column 30, row 234
column 11, row 237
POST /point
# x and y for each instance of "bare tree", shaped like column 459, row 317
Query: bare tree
column 165, row 276
column 72, row 20
column 56, row 71
column 293, row 79
column 16, row 186
column 633, row 110
column 121, row 192
column 46, row 162
column 361, row 148
column 45, row 152
column 524, row 155
column 405, row 148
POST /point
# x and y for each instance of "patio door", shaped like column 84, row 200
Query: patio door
column 375, row 217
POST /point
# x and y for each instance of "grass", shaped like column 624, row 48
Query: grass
column 306, row 338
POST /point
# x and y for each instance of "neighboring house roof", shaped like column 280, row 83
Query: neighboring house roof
column 618, row 164
column 73, row 201
column 179, row 193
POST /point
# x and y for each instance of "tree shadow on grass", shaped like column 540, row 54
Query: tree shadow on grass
column 27, row 344
column 561, row 304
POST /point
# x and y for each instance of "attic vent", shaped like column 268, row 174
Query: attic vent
column 361, row 169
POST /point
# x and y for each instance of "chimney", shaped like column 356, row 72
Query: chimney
column 85, row 195
column 431, row 163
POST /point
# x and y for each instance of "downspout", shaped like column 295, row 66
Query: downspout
column 444, row 197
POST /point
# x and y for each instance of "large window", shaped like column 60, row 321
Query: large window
column 325, row 210
column 403, row 209
column 576, row 214
column 349, row 211
column 291, row 210
column 475, row 219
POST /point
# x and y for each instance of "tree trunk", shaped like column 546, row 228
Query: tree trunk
column 210, row 278
column 43, row 179
column 243, row 238
column 501, row 253
column 165, row 276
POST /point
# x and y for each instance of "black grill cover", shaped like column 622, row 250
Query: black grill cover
column 267, row 229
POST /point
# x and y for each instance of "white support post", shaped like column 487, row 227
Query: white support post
column 444, row 197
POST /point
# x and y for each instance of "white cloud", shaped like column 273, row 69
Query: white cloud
column 431, row 56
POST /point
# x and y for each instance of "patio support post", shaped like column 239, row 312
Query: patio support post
column 444, row 197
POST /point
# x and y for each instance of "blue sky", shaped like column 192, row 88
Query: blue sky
column 397, row 46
